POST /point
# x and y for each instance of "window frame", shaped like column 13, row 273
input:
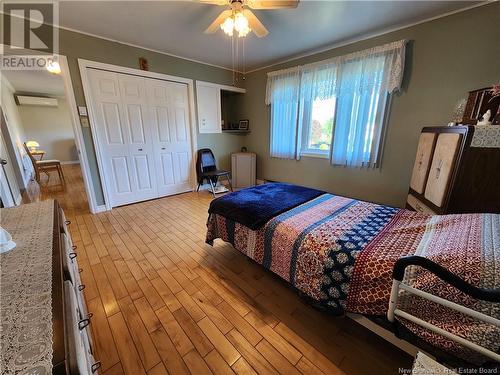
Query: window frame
column 305, row 118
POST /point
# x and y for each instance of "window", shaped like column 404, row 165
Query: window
column 317, row 129
column 335, row 108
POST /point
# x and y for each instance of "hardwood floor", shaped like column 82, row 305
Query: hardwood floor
column 165, row 302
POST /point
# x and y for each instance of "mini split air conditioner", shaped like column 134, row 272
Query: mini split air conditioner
column 35, row 100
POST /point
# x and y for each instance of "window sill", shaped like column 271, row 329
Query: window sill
column 315, row 155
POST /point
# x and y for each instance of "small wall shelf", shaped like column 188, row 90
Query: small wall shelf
column 236, row 131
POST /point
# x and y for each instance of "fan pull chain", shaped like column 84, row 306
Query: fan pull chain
column 243, row 62
column 232, row 52
column 237, row 59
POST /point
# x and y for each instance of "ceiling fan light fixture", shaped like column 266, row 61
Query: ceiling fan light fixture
column 240, row 22
column 244, row 32
column 228, row 26
column 236, row 22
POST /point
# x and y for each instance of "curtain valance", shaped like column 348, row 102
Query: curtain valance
column 320, row 79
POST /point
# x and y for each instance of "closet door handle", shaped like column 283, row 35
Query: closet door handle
column 163, row 148
column 139, row 149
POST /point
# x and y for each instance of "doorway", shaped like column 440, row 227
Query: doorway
column 41, row 130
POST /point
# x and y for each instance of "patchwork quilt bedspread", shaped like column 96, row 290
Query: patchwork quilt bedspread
column 341, row 252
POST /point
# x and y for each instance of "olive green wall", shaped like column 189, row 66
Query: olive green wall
column 75, row 45
column 446, row 58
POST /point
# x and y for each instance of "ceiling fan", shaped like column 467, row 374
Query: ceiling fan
column 241, row 19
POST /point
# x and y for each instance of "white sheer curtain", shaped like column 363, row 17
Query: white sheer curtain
column 360, row 83
column 365, row 80
column 283, row 95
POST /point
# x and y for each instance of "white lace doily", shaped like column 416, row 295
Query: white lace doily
column 25, row 290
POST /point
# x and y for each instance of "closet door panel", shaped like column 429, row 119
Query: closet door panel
column 112, row 124
column 113, row 135
column 123, row 183
column 443, row 163
column 171, row 135
column 162, row 124
column 136, row 121
column 167, row 169
column 133, row 96
column 181, row 124
column 182, row 176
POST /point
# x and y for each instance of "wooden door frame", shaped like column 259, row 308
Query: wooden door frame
column 84, row 65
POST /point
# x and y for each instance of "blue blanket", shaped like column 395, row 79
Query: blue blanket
column 254, row 207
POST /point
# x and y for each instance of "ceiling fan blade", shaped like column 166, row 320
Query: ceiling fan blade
column 213, row 2
column 272, row 4
column 254, row 23
column 214, row 26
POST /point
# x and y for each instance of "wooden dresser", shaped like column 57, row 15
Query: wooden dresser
column 456, row 171
column 79, row 355
column 40, row 229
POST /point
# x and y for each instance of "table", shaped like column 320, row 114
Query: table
column 37, row 153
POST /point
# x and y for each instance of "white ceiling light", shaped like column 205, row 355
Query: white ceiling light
column 236, row 22
column 54, row 67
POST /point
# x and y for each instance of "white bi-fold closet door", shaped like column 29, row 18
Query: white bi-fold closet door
column 143, row 129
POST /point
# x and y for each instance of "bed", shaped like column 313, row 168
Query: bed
column 340, row 253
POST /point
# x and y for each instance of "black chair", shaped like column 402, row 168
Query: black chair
column 206, row 169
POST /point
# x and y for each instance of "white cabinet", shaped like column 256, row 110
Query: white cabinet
column 209, row 102
column 243, row 169
column 209, row 108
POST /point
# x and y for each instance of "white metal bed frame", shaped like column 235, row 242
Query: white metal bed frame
column 393, row 311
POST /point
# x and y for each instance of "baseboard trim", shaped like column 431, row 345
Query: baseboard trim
column 98, row 209
column 260, row 182
column 70, row 162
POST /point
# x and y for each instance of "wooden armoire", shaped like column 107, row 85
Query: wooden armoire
column 456, row 170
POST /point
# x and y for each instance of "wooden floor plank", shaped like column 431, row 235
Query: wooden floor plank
column 105, row 290
column 279, row 362
column 242, row 367
column 307, row 350
column 213, row 313
column 159, row 369
column 168, row 353
column 221, row 343
column 252, row 355
column 151, row 294
column 305, row 366
column 192, row 308
column 240, row 323
column 129, row 358
column 217, row 364
column 101, row 333
column 147, row 314
column 175, row 331
column 166, row 294
column 115, row 370
column 196, row 364
column 193, row 331
column 137, row 329
column 283, row 346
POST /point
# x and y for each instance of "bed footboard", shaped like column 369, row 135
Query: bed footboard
column 452, row 279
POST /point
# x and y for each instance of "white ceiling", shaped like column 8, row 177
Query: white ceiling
column 176, row 27
column 35, row 82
